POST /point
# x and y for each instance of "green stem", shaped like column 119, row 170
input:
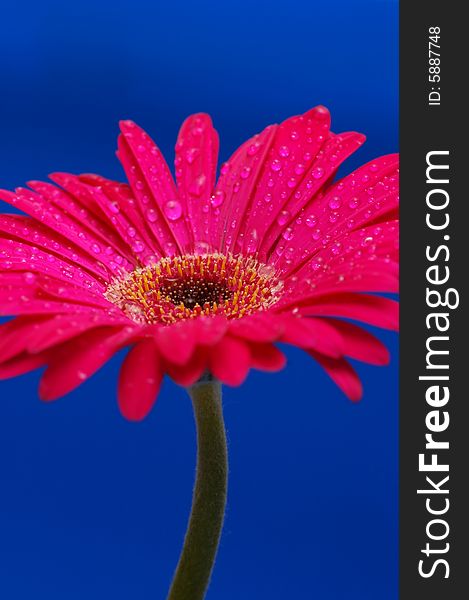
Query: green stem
column 196, row 562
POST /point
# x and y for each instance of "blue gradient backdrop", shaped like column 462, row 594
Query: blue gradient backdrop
column 94, row 507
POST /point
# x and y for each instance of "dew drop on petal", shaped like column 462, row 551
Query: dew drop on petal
column 253, row 149
column 131, row 232
column 138, row 247
column 284, row 151
column 201, row 247
column 311, row 220
column 353, row 202
column 245, row 172
column 173, row 210
column 169, row 248
column 335, row 202
column 283, row 217
column 217, row 198
column 288, row 234
column 96, row 249
column 276, row 165
column 317, row 173
column 152, row 215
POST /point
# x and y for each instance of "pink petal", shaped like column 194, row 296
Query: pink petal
column 62, row 328
column 132, row 231
column 340, row 147
column 313, row 334
column 75, row 200
column 361, row 345
column 21, row 364
column 196, row 166
column 259, row 327
column 233, row 191
column 153, row 188
column 139, row 380
column 229, row 361
column 55, row 219
column 266, row 357
column 342, row 373
column 380, row 312
column 191, row 372
column 31, row 233
column 355, row 201
column 15, row 334
column 176, row 342
column 77, row 360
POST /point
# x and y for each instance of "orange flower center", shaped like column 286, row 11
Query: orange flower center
column 185, row 287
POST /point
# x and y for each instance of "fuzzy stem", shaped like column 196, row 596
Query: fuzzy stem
column 196, row 562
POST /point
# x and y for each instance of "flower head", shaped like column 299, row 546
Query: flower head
column 200, row 275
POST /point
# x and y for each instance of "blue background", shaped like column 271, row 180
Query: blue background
column 94, row 507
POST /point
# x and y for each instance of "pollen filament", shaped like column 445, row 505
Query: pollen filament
column 188, row 286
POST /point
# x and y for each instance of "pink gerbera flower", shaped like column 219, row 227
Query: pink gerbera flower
column 198, row 276
column 201, row 279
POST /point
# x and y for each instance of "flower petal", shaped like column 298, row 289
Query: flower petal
column 75, row 361
column 352, row 203
column 153, row 188
column 360, row 344
column 229, row 361
column 139, row 380
column 266, row 357
column 342, row 373
column 313, row 334
column 196, row 166
column 374, row 310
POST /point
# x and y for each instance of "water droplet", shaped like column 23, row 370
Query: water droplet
column 217, row 198
column 139, row 185
column 169, row 248
column 284, row 151
column 254, row 149
column 131, row 232
column 173, row 210
column 288, row 234
column 138, row 247
column 201, row 247
column 197, row 186
column 114, row 207
column 299, row 169
column 294, row 135
column 367, row 241
column 152, row 215
column 276, row 165
column 317, row 173
column 225, row 168
column 245, row 172
column 335, row 202
column 191, row 155
column 353, row 202
column 283, row 217
column 311, row 220
column 96, row 249
column 268, row 197
column 29, row 278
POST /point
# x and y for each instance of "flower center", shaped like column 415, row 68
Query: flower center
column 185, row 287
